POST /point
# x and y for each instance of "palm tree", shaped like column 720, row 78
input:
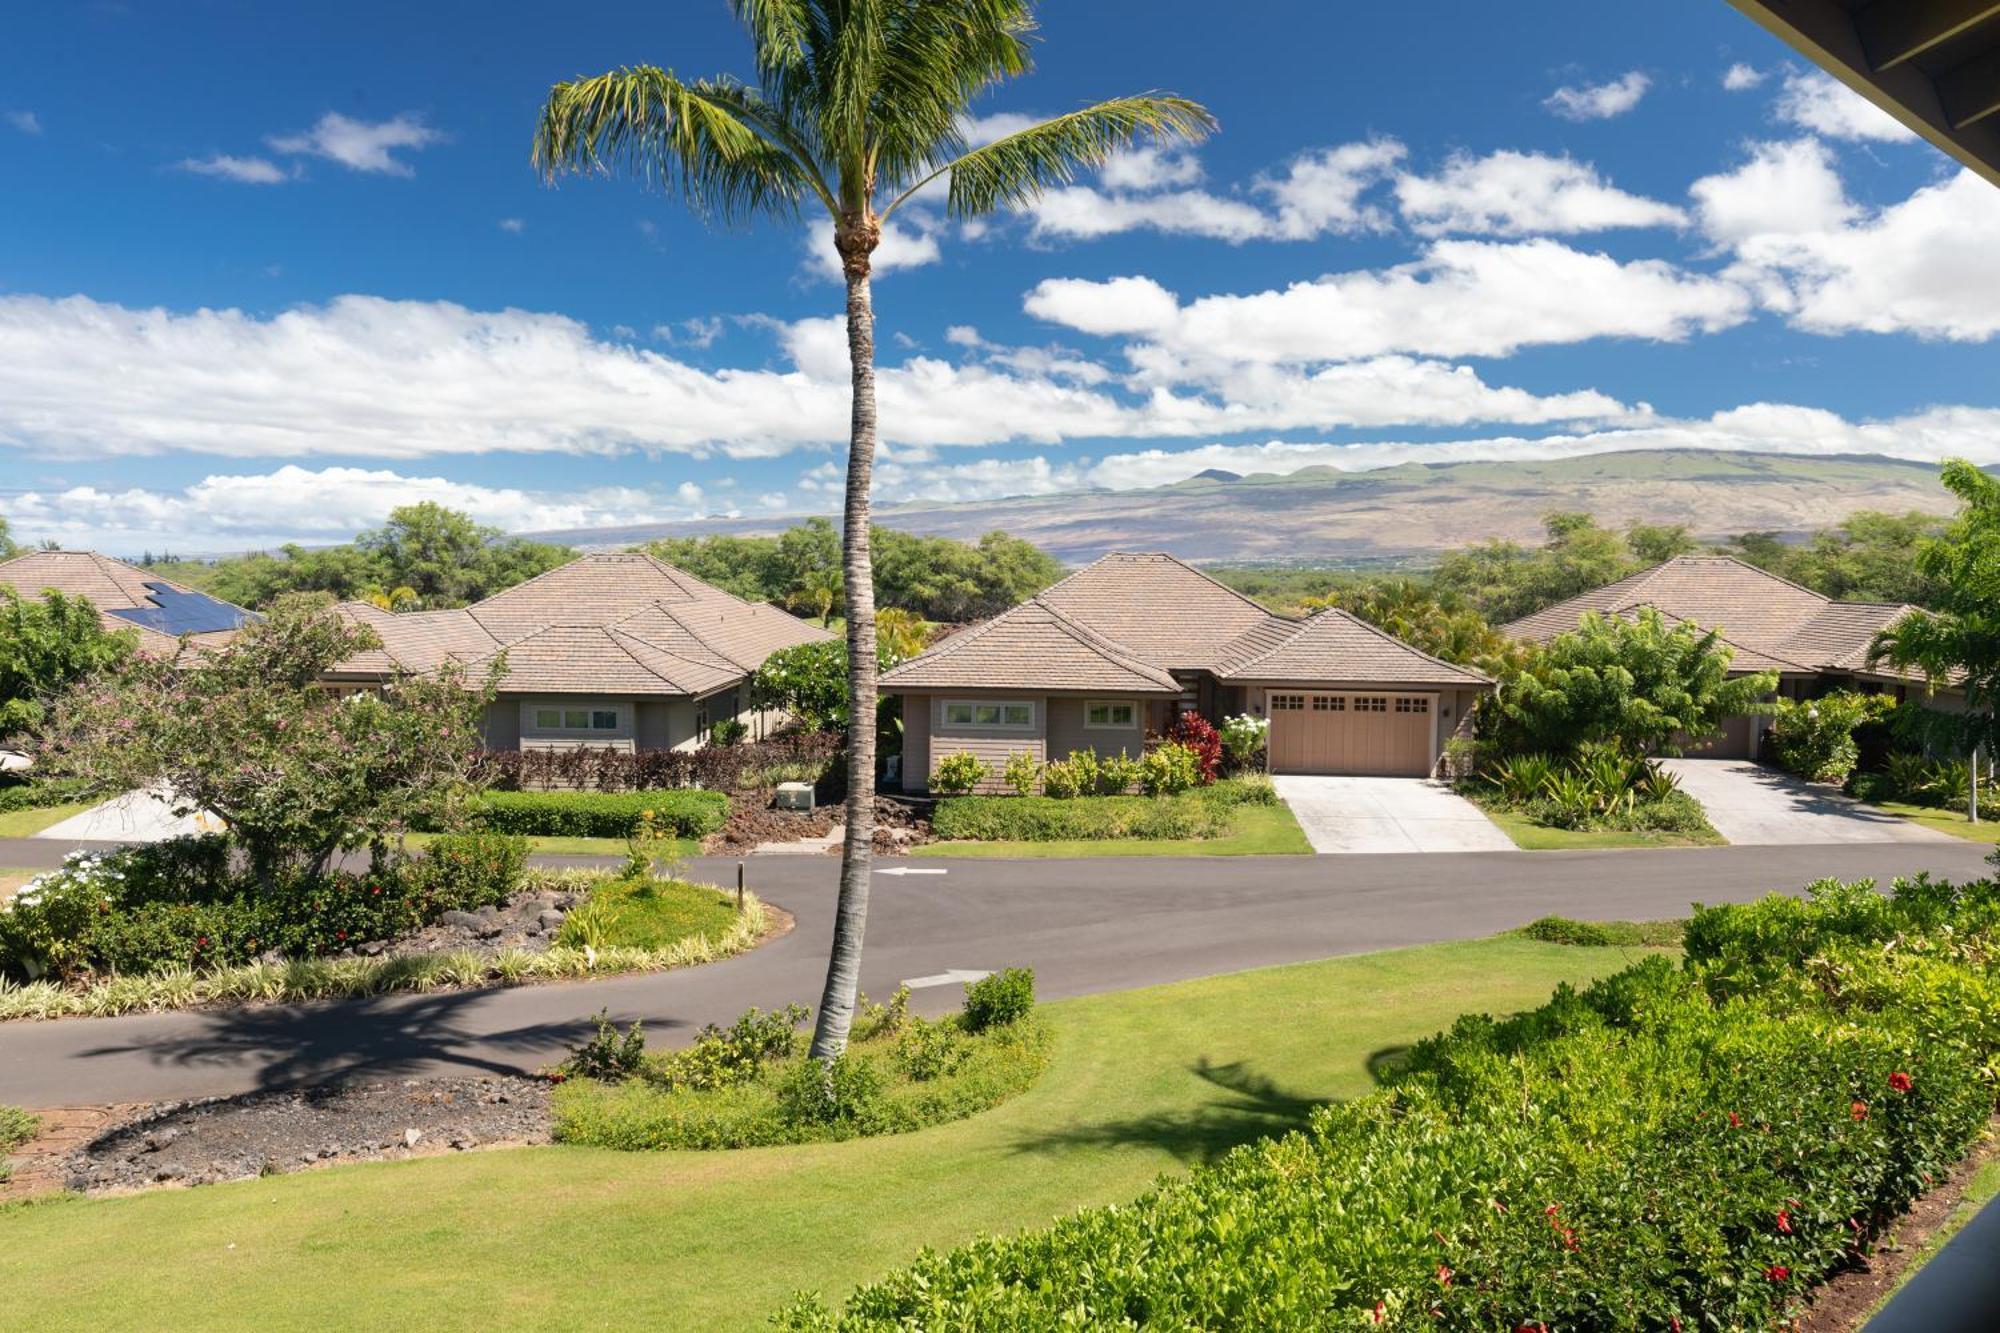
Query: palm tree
column 860, row 107
column 818, row 592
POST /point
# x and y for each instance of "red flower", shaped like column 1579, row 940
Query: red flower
column 1899, row 1081
column 1674, row 1323
column 201, row 941
column 1444, row 1275
column 341, row 933
column 1735, row 1120
column 1551, row 1209
column 1785, row 1221
column 1777, row 1272
column 1380, row 1310
column 1859, row 1110
column 1536, row 1327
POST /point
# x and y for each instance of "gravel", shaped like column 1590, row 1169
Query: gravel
column 529, row 920
column 266, row 1133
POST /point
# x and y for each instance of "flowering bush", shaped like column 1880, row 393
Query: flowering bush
column 1199, row 735
column 1674, row 1147
column 1243, row 738
column 601, row 768
column 1814, row 738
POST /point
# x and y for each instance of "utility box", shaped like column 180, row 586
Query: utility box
column 794, row 796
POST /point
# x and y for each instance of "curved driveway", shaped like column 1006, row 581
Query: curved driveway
column 1084, row 926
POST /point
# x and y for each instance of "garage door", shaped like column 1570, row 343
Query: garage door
column 1734, row 741
column 1351, row 733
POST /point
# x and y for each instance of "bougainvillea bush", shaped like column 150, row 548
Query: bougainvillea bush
column 1677, row 1147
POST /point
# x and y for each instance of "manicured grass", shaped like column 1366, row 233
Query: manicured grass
column 27, row 823
column 1256, row 830
column 666, row 849
column 1953, row 822
column 1533, row 837
column 656, row 913
column 1141, row 1082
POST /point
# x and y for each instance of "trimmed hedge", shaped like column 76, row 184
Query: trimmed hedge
column 715, row 767
column 1206, row 812
column 1688, row 1147
column 42, row 793
column 687, row 813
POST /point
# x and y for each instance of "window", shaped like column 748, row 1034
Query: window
column 1408, row 704
column 1287, row 703
column 604, row 719
column 575, row 719
column 1329, row 703
column 1012, row 714
column 551, row 718
column 1370, row 704
column 1105, row 713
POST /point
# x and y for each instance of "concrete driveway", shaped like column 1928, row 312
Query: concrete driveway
column 1353, row 814
column 1750, row 804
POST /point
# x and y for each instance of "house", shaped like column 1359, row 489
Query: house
column 129, row 598
column 614, row 650
column 1122, row 647
column 1813, row 643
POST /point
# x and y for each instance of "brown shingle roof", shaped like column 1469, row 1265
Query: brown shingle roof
column 1166, row 611
column 1773, row 623
column 109, row 585
column 1336, row 647
column 609, row 623
column 1034, row 647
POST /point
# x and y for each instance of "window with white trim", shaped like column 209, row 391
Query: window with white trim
column 1287, row 703
column 576, row 719
column 1370, row 704
column 1110, row 713
column 1003, row 714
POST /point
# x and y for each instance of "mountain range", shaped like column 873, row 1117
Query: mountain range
column 1403, row 514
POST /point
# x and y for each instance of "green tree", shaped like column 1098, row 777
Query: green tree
column 298, row 771
column 953, row 581
column 745, row 567
column 1641, row 684
column 8, row 550
column 858, row 109
column 449, row 560
column 1505, row 580
column 1957, row 645
column 806, row 567
column 1431, row 621
column 1653, row 543
column 807, row 680
column 46, row 645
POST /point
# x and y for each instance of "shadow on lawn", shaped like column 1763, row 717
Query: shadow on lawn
column 1255, row 1107
column 293, row 1046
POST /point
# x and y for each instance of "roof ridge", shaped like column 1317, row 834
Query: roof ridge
column 1342, row 613
column 1725, row 558
column 1121, row 654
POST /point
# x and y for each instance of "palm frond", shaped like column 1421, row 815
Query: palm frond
column 938, row 58
column 709, row 140
column 1017, row 168
column 780, row 31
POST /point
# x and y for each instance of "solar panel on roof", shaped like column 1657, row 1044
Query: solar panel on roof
column 175, row 613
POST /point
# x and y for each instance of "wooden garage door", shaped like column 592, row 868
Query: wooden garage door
column 1371, row 733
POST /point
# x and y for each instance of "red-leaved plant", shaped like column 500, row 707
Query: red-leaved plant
column 1199, row 734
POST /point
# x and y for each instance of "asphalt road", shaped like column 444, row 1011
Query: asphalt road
column 1084, row 926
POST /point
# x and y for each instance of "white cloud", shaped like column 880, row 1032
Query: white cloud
column 1150, row 168
column 1599, row 101
column 226, row 512
column 1321, row 191
column 1080, row 212
column 515, row 225
column 27, row 122
column 358, row 144
column 1784, row 187
column 1515, row 194
column 1463, row 298
column 1816, row 101
column 1740, row 78
column 696, row 331
column 243, row 170
column 1927, row 266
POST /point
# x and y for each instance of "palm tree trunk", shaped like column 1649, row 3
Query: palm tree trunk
column 843, row 971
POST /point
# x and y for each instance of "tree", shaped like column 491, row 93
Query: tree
column 1957, row 644
column 46, row 644
column 899, row 635
column 1432, row 621
column 1655, row 543
column 449, row 560
column 8, row 550
column 1869, row 556
column 1506, row 581
column 858, row 109
column 298, row 771
column 1642, row 685
column 954, row 582
column 807, row 680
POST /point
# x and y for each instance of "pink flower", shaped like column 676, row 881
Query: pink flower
column 1859, row 1110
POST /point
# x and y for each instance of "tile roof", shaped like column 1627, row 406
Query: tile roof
column 111, row 586
column 1773, row 623
column 608, row 623
column 1034, row 646
column 1129, row 622
column 1335, row 646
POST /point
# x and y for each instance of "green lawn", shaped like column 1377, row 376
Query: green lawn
column 1953, row 822
column 666, row 849
column 657, row 913
column 1533, row 837
column 27, row 823
column 1141, row 1082
column 1258, row 830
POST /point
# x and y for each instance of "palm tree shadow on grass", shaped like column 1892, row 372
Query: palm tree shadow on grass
column 1255, row 1107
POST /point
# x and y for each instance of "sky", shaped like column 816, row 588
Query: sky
column 268, row 271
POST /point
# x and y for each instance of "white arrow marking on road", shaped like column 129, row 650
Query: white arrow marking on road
column 956, row 976
column 913, row 870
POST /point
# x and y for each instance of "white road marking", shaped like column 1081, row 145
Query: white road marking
column 956, row 976
column 913, row 870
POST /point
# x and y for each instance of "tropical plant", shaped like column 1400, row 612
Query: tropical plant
column 1243, row 738
column 1023, row 773
column 1957, row 645
column 959, row 772
column 808, row 681
column 1814, row 738
column 1520, row 778
column 1199, row 735
column 46, row 644
column 899, row 635
column 858, row 110
column 819, row 593
column 1169, row 769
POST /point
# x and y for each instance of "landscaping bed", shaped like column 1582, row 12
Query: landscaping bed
column 214, row 1139
column 1241, row 816
column 1599, row 796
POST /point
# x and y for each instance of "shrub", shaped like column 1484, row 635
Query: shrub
column 467, row 871
column 1066, row 779
column 42, row 793
column 959, row 772
column 16, row 1128
column 1814, row 738
column 1245, row 789
column 606, row 1056
column 1000, row 998
column 1243, row 739
column 1199, row 735
column 1023, row 773
column 1169, row 769
column 927, row 1051
column 1523, row 777
column 808, row 681
column 1116, row 774
column 802, row 755
column 1692, row 1146
column 596, row 814
column 728, row 731
column 724, row 1057
column 829, row 1092
column 1078, row 819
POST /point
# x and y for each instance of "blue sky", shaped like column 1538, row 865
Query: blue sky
column 267, row 271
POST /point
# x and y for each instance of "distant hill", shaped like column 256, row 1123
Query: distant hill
column 1406, row 513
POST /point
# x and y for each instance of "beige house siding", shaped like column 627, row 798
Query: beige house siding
column 993, row 745
column 916, row 741
column 501, row 727
column 1067, row 731
column 656, row 724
